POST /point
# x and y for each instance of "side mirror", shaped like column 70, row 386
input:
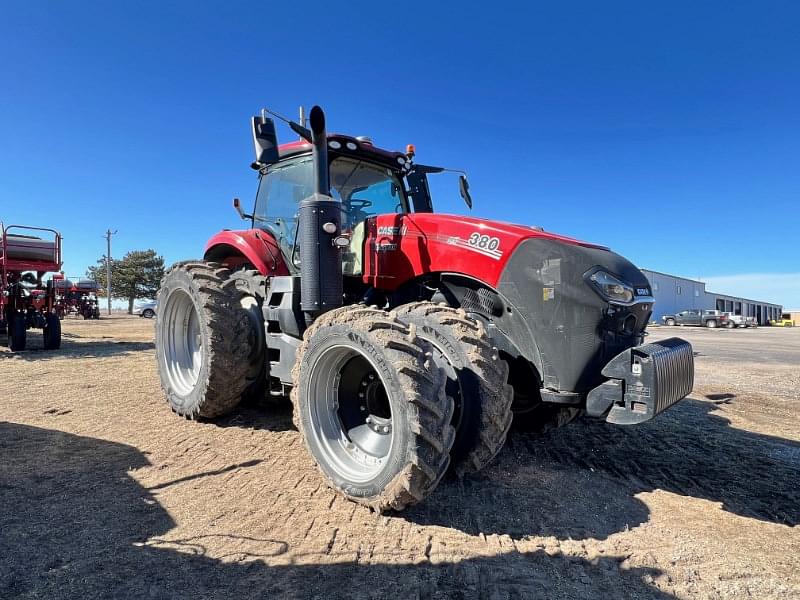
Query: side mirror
column 463, row 189
column 265, row 141
column 237, row 206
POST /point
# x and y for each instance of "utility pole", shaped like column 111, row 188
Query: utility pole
column 108, row 235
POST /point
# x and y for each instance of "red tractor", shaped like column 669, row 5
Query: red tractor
column 25, row 301
column 407, row 340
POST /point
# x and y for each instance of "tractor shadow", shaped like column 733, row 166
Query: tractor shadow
column 272, row 414
column 581, row 480
column 58, row 541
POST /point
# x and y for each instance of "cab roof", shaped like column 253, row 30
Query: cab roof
column 347, row 146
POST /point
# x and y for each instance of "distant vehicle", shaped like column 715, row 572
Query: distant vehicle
column 146, row 309
column 697, row 317
column 784, row 321
column 738, row 320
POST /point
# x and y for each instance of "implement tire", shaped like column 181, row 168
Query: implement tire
column 17, row 332
column 203, row 340
column 477, row 381
column 371, row 407
column 51, row 335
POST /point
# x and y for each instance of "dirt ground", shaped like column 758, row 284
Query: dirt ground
column 104, row 493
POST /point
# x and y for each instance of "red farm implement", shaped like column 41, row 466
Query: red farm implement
column 26, row 255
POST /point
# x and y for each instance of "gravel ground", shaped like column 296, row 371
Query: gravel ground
column 104, row 493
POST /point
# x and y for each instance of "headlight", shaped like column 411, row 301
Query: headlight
column 611, row 288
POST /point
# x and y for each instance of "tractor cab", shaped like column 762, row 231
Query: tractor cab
column 365, row 181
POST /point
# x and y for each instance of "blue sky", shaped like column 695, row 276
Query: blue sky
column 669, row 131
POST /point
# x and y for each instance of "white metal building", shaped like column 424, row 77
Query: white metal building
column 674, row 294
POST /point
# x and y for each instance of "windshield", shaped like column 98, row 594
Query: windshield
column 365, row 189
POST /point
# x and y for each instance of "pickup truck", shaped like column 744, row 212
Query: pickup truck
column 738, row 320
column 697, row 317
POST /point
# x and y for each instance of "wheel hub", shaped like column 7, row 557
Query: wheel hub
column 375, row 404
column 351, row 413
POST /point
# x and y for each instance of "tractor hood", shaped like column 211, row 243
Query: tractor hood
column 401, row 247
column 509, row 234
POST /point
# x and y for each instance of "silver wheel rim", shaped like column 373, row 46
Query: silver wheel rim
column 350, row 414
column 182, row 343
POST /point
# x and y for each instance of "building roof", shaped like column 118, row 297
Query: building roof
column 751, row 301
column 707, row 291
column 673, row 276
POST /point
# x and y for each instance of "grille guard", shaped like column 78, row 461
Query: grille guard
column 643, row 382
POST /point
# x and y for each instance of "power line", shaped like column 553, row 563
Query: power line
column 108, row 235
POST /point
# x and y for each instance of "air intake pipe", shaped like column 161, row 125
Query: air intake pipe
column 319, row 224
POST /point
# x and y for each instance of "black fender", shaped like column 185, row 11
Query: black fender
column 505, row 324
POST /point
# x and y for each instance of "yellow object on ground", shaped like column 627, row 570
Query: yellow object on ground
column 782, row 323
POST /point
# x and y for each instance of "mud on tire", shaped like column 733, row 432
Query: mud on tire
column 203, row 339
column 360, row 371
column 478, row 381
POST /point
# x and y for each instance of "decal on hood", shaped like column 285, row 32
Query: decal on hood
column 478, row 242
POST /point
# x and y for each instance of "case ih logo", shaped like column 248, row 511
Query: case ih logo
column 392, row 230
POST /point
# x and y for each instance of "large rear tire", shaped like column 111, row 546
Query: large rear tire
column 372, row 409
column 477, row 381
column 204, row 342
column 252, row 286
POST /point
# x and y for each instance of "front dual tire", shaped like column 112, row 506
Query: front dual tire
column 370, row 404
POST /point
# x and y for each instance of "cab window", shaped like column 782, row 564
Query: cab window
column 365, row 190
column 280, row 191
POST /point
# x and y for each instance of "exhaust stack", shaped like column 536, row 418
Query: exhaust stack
column 319, row 224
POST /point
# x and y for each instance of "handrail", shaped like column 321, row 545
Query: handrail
column 22, row 229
